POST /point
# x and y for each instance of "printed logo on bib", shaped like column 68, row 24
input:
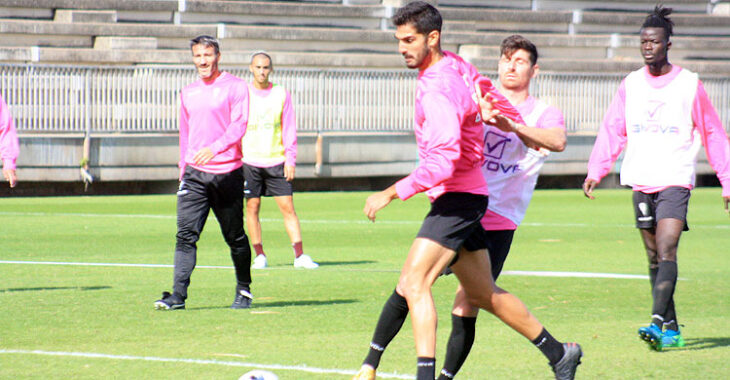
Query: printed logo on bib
column 495, row 144
column 494, row 147
column 653, row 120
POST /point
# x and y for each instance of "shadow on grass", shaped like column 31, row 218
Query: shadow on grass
column 705, row 343
column 40, row 289
column 263, row 305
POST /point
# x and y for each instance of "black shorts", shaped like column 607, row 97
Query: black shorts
column 269, row 182
column 454, row 220
column 497, row 243
column 669, row 203
column 498, row 246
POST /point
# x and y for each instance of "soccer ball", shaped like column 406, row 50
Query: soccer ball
column 259, row 374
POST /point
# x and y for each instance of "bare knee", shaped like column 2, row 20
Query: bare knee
column 462, row 307
column 482, row 300
column 253, row 205
column 410, row 286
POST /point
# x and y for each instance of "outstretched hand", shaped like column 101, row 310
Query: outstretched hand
column 491, row 115
column 588, row 186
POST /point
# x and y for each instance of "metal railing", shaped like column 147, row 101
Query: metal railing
column 62, row 99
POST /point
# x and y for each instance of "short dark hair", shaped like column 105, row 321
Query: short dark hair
column 206, row 41
column 262, row 53
column 516, row 42
column 659, row 18
column 422, row 15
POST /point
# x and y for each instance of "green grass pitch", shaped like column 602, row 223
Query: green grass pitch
column 316, row 324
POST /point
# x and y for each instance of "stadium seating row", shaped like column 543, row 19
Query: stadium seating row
column 596, row 35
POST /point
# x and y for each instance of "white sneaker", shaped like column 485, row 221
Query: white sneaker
column 259, row 262
column 304, row 261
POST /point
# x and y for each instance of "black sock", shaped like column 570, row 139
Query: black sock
column 390, row 322
column 426, row 368
column 459, row 345
column 652, row 275
column 666, row 279
column 671, row 317
column 551, row 348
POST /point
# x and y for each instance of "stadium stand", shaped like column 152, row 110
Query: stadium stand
column 598, row 36
column 80, row 72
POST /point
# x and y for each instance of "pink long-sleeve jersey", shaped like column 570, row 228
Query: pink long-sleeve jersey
column 213, row 115
column 9, row 147
column 612, row 137
column 448, row 129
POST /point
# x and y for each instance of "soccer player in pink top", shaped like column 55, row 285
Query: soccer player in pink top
column 661, row 115
column 213, row 117
column 9, row 147
column 269, row 159
column 449, row 136
column 513, row 159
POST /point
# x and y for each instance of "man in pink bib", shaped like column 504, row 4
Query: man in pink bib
column 269, row 159
column 662, row 116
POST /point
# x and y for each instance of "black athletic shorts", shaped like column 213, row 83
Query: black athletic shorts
column 669, row 203
column 454, row 220
column 497, row 243
column 269, row 182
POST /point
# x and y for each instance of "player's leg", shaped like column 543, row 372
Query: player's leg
column 291, row 220
column 473, row 271
column 671, row 214
column 453, row 218
column 391, row 320
column 425, row 262
column 291, row 223
column 252, row 191
column 667, row 237
column 192, row 212
column 461, row 339
column 227, row 204
column 463, row 315
column 652, row 334
column 669, row 209
column 282, row 191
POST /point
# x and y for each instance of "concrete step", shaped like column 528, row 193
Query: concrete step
column 76, row 15
column 695, row 6
column 26, row 13
column 36, row 27
column 113, row 43
column 137, row 5
column 46, row 40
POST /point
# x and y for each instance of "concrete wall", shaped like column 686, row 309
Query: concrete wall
column 153, row 157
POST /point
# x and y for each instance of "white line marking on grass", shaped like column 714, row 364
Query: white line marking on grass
column 329, row 221
column 300, row 368
column 507, row 273
column 575, row 274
